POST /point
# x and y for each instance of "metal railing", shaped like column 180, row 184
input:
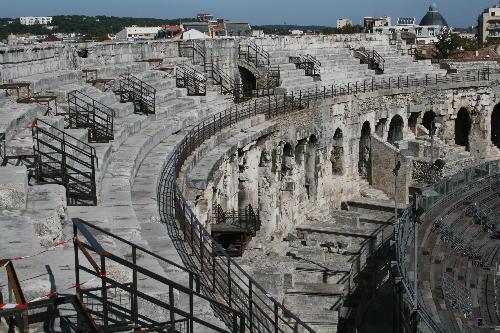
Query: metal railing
column 143, row 95
column 447, row 188
column 60, row 158
column 308, row 63
column 130, row 306
column 374, row 60
column 189, row 78
column 254, row 54
column 220, row 274
column 86, row 112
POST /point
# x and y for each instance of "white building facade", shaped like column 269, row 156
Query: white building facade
column 343, row 22
column 138, row 33
column 34, row 20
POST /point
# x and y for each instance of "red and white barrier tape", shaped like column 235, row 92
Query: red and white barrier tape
column 50, row 248
column 12, row 306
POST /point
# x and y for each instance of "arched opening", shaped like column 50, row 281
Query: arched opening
column 310, row 166
column 364, row 163
column 248, row 81
column 427, row 120
column 413, row 121
column 287, row 160
column 495, row 126
column 337, row 157
column 463, row 125
column 395, row 129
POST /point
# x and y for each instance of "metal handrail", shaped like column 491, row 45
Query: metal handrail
column 267, row 313
column 81, row 228
column 448, row 187
column 82, row 103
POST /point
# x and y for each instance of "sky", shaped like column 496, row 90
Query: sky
column 458, row 13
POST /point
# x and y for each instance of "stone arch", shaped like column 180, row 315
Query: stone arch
column 364, row 162
column 395, row 129
column 428, row 119
column 463, row 125
column 311, row 176
column 337, row 157
column 495, row 126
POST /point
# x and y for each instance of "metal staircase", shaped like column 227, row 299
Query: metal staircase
column 374, row 60
column 308, row 63
column 86, row 112
column 143, row 95
column 236, row 225
column 60, row 158
column 259, row 59
column 189, row 78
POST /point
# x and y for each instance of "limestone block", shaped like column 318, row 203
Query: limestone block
column 13, row 188
column 47, row 206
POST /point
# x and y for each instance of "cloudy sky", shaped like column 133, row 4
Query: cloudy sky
column 458, row 13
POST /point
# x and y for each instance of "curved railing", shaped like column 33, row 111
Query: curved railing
column 222, row 277
column 447, row 188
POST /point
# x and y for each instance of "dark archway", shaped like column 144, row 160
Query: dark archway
column 287, row 160
column 463, row 125
column 364, row 163
column 413, row 122
column 248, row 81
column 337, row 157
column 310, row 167
column 495, row 126
column 395, row 129
column 427, row 120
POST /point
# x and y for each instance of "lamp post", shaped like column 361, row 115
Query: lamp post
column 418, row 194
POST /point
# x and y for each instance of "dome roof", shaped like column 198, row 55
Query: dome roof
column 433, row 17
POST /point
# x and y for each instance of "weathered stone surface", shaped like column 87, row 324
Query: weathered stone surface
column 13, row 188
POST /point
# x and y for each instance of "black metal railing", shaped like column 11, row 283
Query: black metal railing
column 121, row 304
column 60, row 158
column 220, row 274
column 374, row 60
column 228, row 86
column 244, row 219
column 448, row 187
column 195, row 50
column 253, row 54
column 86, row 112
column 189, row 78
column 308, row 63
column 143, row 95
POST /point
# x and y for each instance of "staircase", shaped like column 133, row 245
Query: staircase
column 310, row 64
column 132, row 89
column 228, row 85
column 86, row 112
column 259, row 59
column 189, row 78
column 374, row 60
column 60, row 158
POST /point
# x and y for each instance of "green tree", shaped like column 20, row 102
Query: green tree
column 445, row 45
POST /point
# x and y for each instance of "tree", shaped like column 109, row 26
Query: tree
column 445, row 44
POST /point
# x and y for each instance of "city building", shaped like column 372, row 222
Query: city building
column 343, row 22
column 488, row 24
column 370, row 23
column 169, row 31
column 204, row 17
column 34, row 20
column 138, row 33
column 431, row 25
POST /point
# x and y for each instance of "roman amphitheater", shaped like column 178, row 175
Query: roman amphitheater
column 281, row 184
